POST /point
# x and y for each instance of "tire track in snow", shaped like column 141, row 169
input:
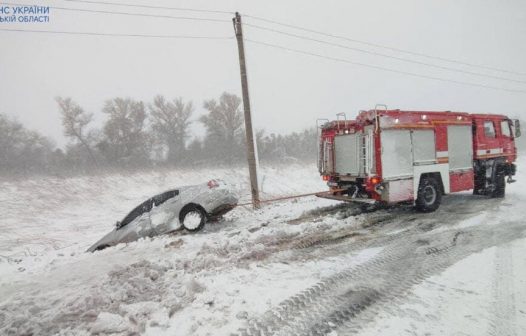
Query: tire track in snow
column 344, row 299
column 503, row 292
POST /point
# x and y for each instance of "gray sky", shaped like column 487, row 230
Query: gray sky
column 289, row 91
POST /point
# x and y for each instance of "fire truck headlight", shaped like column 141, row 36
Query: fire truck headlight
column 424, row 117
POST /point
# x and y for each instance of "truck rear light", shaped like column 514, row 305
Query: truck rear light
column 375, row 180
column 325, row 177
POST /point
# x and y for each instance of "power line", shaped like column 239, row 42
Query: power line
column 384, row 55
column 151, row 7
column 117, row 34
column 444, row 59
column 382, row 68
column 273, row 45
column 290, row 34
column 126, row 13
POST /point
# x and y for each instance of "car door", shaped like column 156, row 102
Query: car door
column 140, row 227
column 164, row 216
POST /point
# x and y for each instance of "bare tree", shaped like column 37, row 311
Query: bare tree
column 170, row 122
column 22, row 150
column 125, row 139
column 289, row 148
column 75, row 121
column 195, row 151
column 224, row 127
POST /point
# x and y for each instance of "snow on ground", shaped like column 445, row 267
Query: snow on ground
column 48, row 224
column 221, row 279
column 51, row 213
column 466, row 299
column 483, row 294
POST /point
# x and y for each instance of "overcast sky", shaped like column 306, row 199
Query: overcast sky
column 288, row 90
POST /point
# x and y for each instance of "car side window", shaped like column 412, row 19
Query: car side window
column 147, row 206
column 489, row 129
column 505, row 128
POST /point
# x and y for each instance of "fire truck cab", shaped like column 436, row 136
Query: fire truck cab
column 393, row 156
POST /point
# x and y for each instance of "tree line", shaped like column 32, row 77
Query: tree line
column 138, row 135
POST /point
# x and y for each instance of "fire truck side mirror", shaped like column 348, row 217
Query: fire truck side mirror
column 516, row 128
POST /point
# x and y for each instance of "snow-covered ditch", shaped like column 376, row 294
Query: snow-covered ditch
column 215, row 281
column 205, row 283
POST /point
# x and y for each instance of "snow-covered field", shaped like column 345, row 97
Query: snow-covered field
column 305, row 266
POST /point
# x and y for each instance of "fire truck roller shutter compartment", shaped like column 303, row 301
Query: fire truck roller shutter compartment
column 346, row 151
column 460, row 157
column 426, row 159
column 409, row 153
column 423, row 147
column 397, row 164
column 397, row 157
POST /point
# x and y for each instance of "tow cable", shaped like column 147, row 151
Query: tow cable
column 289, row 197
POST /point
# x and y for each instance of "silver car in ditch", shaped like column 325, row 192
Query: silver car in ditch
column 189, row 207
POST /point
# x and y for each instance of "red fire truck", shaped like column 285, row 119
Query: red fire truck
column 392, row 156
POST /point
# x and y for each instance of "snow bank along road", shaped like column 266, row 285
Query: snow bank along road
column 303, row 267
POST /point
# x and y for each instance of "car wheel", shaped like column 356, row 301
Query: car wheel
column 429, row 195
column 192, row 218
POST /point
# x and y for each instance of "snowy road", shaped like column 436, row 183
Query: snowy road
column 305, row 267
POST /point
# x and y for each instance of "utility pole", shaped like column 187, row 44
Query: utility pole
column 251, row 151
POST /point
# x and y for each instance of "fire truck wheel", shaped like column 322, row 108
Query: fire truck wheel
column 480, row 183
column 429, row 195
column 500, row 186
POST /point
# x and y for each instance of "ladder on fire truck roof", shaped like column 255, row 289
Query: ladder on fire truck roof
column 363, row 152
